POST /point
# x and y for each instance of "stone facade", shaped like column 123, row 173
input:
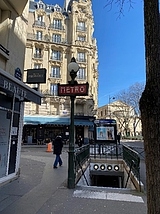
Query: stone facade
column 54, row 36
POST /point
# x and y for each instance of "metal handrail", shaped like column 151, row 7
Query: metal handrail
column 132, row 163
column 129, row 155
column 81, row 155
column 108, row 151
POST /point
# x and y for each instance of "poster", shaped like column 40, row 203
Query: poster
column 105, row 133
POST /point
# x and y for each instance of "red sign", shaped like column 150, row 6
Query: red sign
column 73, row 90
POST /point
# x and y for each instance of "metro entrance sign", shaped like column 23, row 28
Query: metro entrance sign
column 73, row 90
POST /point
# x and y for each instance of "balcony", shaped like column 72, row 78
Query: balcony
column 56, row 27
column 80, row 60
column 31, row 36
column 48, row 93
column 55, row 58
column 81, row 28
column 39, row 24
column 61, row 41
column 81, row 78
column 38, row 56
column 55, row 78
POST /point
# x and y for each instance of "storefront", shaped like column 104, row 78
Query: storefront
column 39, row 129
column 13, row 94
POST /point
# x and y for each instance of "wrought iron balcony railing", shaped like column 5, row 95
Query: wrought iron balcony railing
column 80, row 28
column 39, row 56
column 56, row 27
column 39, row 24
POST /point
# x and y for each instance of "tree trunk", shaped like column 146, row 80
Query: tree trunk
column 150, row 105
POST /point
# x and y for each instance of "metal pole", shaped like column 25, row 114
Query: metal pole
column 71, row 167
column 73, row 67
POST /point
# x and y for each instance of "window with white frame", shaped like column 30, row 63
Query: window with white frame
column 81, row 57
column 81, row 74
column 57, row 23
column 56, row 38
column 81, row 38
column 81, row 26
column 55, row 72
column 39, row 35
column 53, row 89
column 38, row 52
column 56, row 55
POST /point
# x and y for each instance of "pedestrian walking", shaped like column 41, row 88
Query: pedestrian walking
column 57, row 150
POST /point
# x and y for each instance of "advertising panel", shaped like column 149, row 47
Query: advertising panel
column 105, row 131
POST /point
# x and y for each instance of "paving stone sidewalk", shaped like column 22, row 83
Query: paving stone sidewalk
column 40, row 189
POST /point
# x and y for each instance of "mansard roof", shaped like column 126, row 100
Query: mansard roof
column 48, row 8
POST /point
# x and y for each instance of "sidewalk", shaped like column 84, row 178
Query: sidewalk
column 40, row 189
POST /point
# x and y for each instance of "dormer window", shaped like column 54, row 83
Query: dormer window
column 57, row 9
column 41, row 6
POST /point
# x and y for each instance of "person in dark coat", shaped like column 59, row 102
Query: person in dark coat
column 57, row 150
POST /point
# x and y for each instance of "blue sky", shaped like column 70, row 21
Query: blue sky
column 120, row 44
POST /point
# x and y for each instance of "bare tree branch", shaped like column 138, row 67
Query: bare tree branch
column 120, row 4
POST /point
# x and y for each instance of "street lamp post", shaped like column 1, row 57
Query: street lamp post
column 73, row 67
column 109, row 112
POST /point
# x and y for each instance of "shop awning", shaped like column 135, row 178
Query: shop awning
column 50, row 120
column 46, row 120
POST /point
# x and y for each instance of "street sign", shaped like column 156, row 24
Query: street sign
column 73, row 90
column 18, row 73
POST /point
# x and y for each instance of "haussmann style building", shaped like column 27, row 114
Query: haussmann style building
column 56, row 34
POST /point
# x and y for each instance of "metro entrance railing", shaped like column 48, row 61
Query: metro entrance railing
column 104, row 151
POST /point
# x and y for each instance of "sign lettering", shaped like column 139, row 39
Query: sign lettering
column 73, row 90
column 15, row 89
